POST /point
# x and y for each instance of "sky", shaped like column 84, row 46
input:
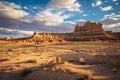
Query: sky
column 24, row 17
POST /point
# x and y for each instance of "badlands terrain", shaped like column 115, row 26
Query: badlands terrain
column 60, row 61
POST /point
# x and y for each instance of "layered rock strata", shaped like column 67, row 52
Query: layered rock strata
column 90, row 31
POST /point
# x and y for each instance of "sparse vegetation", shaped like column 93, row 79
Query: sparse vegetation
column 84, row 75
column 32, row 61
column 9, row 49
column 71, row 60
column 114, row 70
column 29, row 57
column 82, row 61
column 67, row 63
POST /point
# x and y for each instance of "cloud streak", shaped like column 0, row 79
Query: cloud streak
column 108, row 8
column 97, row 3
column 111, row 22
column 70, row 5
column 11, row 10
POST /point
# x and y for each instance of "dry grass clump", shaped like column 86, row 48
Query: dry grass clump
column 9, row 50
column 76, row 50
column 58, row 69
column 114, row 70
column 84, row 75
column 93, row 52
column 67, row 63
column 82, row 61
column 71, row 60
column 58, row 60
column 32, row 61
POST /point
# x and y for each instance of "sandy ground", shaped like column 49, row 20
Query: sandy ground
column 101, row 61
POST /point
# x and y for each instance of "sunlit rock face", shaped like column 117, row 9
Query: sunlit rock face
column 90, row 31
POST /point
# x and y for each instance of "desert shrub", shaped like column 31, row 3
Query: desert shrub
column 84, row 75
column 114, row 70
column 32, row 61
column 9, row 49
column 76, row 50
column 26, row 72
column 71, row 60
column 82, row 61
column 58, row 60
column 92, row 51
column 66, row 62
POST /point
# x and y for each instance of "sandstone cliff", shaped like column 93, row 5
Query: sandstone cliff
column 89, row 31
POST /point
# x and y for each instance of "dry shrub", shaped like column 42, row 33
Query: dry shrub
column 71, row 60
column 84, row 75
column 93, row 52
column 9, row 49
column 58, row 69
column 45, row 69
column 58, row 60
column 32, row 61
column 67, row 63
column 82, row 61
column 114, row 70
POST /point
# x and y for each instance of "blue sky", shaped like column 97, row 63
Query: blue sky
column 23, row 17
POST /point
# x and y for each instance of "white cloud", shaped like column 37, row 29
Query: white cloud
column 25, row 7
column 106, row 8
column 80, row 22
column 114, row 0
column 93, row 5
column 70, row 5
column 11, row 10
column 85, row 15
column 116, row 3
column 111, row 22
column 98, row 3
column 49, row 19
column 17, row 31
column 112, row 16
column 112, row 27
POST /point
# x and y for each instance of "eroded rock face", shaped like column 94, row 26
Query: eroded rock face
column 90, row 31
column 88, row 26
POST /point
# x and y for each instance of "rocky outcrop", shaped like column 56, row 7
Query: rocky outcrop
column 88, row 26
column 41, row 37
column 90, row 31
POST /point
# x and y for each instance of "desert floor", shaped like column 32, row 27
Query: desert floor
column 60, row 61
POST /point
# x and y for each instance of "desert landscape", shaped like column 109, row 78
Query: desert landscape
column 90, row 60
column 59, row 39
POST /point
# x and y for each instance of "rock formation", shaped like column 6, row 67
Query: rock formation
column 90, row 31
